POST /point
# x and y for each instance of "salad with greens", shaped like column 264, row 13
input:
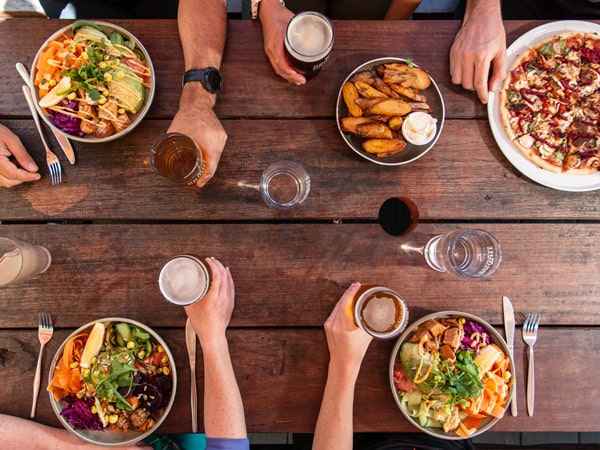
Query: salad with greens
column 90, row 82
column 116, row 377
column 449, row 375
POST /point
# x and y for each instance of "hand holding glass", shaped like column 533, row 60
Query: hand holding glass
column 469, row 253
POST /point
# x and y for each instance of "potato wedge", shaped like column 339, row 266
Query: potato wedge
column 419, row 106
column 401, row 78
column 422, row 80
column 349, row 124
column 382, row 86
column 368, row 91
column 391, row 107
column 383, row 146
column 366, row 76
column 395, row 123
column 399, row 67
column 367, row 103
column 377, row 130
column 350, row 94
column 403, row 91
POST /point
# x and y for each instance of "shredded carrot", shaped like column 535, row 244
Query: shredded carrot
column 67, row 379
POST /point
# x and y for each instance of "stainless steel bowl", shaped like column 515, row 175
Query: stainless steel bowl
column 106, row 437
column 495, row 337
column 411, row 152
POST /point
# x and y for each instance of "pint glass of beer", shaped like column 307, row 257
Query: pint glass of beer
column 308, row 42
column 177, row 158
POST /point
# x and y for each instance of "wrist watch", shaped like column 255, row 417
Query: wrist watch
column 254, row 4
column 211, row 78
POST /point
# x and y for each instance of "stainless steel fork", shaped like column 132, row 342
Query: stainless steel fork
column 45, row 332
column 530, row 329
column 51, row 159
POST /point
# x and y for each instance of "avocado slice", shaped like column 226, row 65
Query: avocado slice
column 410, row 360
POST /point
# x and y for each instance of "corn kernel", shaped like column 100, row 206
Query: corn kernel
column 52, row 82
column 164, row 359
column 85, row 56
column 74, row 365
column 102, row 65
column 160, row 349
column 105, row 418
column 102, row 100
column 94, row 409
column 120, row 74
column 105, row 92
column 159, row 370
column 108, row 77
column 72, row 48
column 121, row 110
column 113, row 418
column 86, row 372
column 72, row 96
column 166, row 371
column 461, row 320
column 141, row 354
column 106, row 57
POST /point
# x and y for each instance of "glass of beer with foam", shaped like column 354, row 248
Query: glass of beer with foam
column 308, row 42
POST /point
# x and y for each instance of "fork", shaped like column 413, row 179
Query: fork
column 45, row 332
column 51, row 158
column 530, row 329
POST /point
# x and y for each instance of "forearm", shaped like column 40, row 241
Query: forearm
column 16, row 432
column 202, row 30
column 483, row 10
column 401, row 9
column 334, row 426
column 223, row 407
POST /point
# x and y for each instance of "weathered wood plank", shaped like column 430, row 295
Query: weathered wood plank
column 293, row 274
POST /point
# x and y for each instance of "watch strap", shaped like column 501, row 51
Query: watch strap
column 202, row 75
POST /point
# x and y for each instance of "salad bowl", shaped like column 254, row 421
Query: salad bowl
column 112, row 382
column 454, row 394
column 92, row 81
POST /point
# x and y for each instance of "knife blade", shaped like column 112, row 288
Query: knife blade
column 190, row 342
column 65, row 145
column 509, row 330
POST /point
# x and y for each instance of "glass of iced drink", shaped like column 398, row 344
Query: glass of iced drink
column 19, row 260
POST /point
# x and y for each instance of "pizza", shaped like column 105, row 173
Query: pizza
column 550, row 103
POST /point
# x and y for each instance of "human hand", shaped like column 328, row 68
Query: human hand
column 347, row 342
column 275, row 18
column 211, row 315
column 12, row 174
column 479, row 44
column 197, row 119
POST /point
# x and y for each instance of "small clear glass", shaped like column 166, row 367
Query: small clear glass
column 285, row 184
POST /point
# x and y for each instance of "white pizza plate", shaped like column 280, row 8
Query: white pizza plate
column 559, row 181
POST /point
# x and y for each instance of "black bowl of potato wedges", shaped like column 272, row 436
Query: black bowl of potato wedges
column 382, row 104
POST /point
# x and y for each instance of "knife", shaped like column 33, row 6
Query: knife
column 509, row 330
column 63, row 141
column 190, row 342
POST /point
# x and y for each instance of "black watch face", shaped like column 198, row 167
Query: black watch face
column 214, row 80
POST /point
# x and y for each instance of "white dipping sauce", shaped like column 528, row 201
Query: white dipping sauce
column 419, row 128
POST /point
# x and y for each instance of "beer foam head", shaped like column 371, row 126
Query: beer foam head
column 183, row 280
column 309, row 36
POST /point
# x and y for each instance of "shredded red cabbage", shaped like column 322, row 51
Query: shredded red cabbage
column 469, row 328
column 68, row 124
column 79, row 413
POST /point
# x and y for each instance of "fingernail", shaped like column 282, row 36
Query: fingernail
column 32, row 167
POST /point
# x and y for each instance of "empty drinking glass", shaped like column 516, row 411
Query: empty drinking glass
column 469, row 253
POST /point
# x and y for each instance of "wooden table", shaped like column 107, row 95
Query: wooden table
column 112, row 223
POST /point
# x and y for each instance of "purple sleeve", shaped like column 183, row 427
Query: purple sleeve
column 227, row 444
